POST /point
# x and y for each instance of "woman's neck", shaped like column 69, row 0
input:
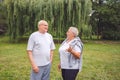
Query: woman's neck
column 69, row 39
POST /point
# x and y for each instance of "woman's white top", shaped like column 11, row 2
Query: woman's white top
column 65, row 59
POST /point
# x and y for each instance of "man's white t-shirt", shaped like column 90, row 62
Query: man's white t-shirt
column 41, row 45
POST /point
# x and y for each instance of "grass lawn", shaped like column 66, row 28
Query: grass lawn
column 101, row 61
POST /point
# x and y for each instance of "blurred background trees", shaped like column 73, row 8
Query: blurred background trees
column 99, row 18
column 105, row 20
column 3, row 24
column 23, row 15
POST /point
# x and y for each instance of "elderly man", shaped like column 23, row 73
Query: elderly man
column 40, row 52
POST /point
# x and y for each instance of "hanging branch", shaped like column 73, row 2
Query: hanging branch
column 23, row 15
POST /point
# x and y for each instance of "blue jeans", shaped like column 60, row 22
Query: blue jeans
column 43, row 74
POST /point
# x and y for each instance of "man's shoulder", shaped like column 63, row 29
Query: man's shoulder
column 34, row 33
column 48, row 34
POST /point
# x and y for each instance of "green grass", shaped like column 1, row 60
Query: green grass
column 101, row 61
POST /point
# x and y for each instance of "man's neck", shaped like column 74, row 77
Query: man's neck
column 41, row 32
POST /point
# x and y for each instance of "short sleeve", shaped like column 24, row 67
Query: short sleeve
column 78, row 47
column 30, row 43
column 52, row 46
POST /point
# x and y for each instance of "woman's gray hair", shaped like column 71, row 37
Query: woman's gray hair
column 74, row 30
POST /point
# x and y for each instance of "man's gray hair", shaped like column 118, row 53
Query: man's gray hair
column 41, row 22
column 74, row 30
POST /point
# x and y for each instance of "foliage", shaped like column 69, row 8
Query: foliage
column 23, row 15
column 87, row 31
column 106, row 19
column 2, row 19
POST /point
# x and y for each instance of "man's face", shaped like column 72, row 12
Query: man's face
column 43, row 27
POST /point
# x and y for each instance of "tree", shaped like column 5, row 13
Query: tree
column 105, row 20
column 3, row 25
column 23, row 15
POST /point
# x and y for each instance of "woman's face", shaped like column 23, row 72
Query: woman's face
column 69, row 34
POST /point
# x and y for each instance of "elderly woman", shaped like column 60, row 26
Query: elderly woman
column 71, row 55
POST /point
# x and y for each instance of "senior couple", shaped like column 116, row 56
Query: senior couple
column 40, row 53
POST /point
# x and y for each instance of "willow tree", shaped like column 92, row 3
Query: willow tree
column 23, row 16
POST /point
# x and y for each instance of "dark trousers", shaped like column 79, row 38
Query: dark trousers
column 69, row 74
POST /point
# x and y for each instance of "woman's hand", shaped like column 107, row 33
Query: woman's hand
column 69, row 49
column 73, row 52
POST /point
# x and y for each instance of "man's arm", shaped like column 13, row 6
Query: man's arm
column 34, row 66
column 51, row 55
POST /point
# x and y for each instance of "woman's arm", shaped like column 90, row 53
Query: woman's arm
column 74, row 53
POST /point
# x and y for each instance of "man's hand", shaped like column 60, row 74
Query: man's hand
column 35, row 69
